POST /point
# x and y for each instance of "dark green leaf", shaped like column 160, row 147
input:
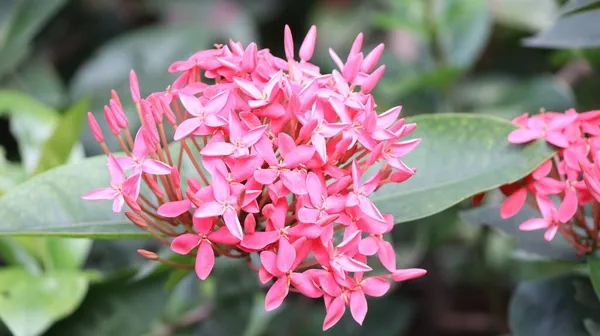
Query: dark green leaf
column 57, row 149
column 532, row 15
column 530, row 241
column 553, row 306
column 579, row 30
column 39, row 78
column 576, row 5
column 24, row 21
column 593, row 263
column 461, row 155
column 509, row 97
column 117, row 308
column 31, row 123
column 51, row 204
column 29, row 304
column 464, row 29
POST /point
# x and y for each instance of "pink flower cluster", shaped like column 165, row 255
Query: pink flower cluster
column 280, row 151
column 565, row 187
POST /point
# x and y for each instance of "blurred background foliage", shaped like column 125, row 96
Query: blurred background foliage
column 60, row 59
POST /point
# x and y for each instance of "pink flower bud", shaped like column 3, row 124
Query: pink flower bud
column 115, row 96
column 356, row 45
column 132, row 203
column 408, row 274
column 119, row 115
column 372, row 58
column 96, row 130
column 288, row 43
column 148, row 254
column 370, row 82
column 134, row 86
column 352, row 67
column 308, row 45
column 110, row 120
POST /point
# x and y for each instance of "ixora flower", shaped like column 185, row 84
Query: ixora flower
column 566, row 188
column 284, row 158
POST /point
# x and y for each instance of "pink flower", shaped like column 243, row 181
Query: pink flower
column 203, row 239
column 549, row 220
column 139, row 161
column 119, row 185
column 269, row 162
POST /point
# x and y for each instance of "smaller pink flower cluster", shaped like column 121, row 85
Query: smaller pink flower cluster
column 566, row 188
column 279, row 152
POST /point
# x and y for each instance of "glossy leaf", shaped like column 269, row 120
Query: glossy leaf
column 593, row 263
column 118, row 307
column 576, row 5
column 553, row 306
column 578, row 30
column 57, row 148
column 530, row 241
column 461, row 155
column 29, row 304
column 532, row 15
column 59, row 209
column 31, row 123
column 57, row 253
column 24, row 19
column 474, row 145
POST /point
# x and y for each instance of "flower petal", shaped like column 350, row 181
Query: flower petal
column 358, row 306
column 375, row 286
column 277, row 294
column 205, row 260
column 184, row 243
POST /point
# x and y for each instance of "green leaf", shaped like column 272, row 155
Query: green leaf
column 59, row 209
column 531, row 15
column 593, row 263
column 579, row 30
column 25, row 20
column 530, row 241
column 554, row 306
column 464, row 28
column 15, row 254
column 57, row 253
column 576, row 5
column 116, row 308
column 39, row 78
column 31, row 122
column 508, row 97
column 460, row 156
column 57, row 149
column 29, row 304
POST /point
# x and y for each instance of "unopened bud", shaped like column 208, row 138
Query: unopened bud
column 134, row 87
column 132, row 203
column 154, row 187
column 175, row 180
column 148, row 254
column 288, row 43
column 192, row 197
column 137, row 220
column 110, row 120
column 308, row 45
column 372, row 58
column 119, row 114
column 96, row 130
column 369, row 83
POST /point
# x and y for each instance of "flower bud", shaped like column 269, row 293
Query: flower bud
column 96, row 130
